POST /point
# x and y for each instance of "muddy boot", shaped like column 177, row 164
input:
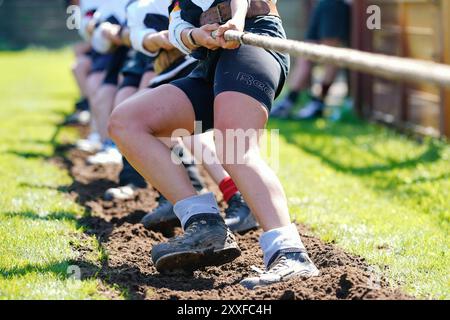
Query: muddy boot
column 286, row 265
column 206, row 242
column 238, row 216
column 162, row 217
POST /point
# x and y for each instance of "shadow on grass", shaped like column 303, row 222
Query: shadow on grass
column 29, row 154
column 58, row 148
column 128, row 277
column 83, row 270
column 57, row 268
column 64, row 189
column 47, row 217
column 351, row 130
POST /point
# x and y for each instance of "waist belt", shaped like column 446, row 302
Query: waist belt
column 222, row 12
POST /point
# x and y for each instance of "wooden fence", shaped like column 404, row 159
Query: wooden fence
column 409, row 28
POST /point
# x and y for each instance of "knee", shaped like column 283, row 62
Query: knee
column 118, row 124
column 123, row 122
column 74, row 68
column 81, row 66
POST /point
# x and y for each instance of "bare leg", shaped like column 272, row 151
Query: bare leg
column 203, row 144
column 135, row 126
column 146, row 78
column 101, row 107
column 254, row 178
column 94, row 81
column 81, row 48
column 123, row 94
column 80, row 70
column 301, row 75
column 330, row 70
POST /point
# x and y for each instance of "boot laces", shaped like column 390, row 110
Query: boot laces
column 282, row 263
column 189, row 232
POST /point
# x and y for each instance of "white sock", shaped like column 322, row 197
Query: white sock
column 204, row 203
column 278, row 239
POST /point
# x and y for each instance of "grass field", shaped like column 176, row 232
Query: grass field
column 37, row 221
column 373, row 192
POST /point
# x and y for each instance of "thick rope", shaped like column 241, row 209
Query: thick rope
column 384, row 66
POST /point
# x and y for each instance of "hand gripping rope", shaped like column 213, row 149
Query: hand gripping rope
column 390, row 67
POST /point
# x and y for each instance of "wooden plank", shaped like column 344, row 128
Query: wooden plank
column 445, row 105
column 355, row 80
column 404, row 52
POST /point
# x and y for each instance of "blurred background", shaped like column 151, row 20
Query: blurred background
column 410, row 28
column 374, row 192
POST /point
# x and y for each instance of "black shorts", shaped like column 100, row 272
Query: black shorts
column 99, row 61
column 248, row 70
column 134, row 69
column 330, row 20
column 115, row 65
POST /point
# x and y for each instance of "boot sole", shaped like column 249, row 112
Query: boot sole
column 189, row 261
column 304, row 275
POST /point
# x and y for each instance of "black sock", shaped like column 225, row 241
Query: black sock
column 82, row 105
column 194, row 176
column 293, row 95
column 191, row 168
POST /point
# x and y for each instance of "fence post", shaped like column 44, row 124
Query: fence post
column 445, row 101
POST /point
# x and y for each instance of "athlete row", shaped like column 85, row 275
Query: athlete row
column 149, row 68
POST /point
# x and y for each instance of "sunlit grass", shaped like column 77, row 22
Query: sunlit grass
column 37, row 219
column 375, row 193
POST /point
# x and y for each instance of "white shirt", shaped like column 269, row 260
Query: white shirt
column 87, row 6
column 157, row 12
column 112, row 8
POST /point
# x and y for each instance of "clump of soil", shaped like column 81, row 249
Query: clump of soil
column 127, row 245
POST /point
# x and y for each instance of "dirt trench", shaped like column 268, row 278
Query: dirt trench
column 128, row 265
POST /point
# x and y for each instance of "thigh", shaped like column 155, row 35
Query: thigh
column 163, row 112
column 83, row 64
column 104, row 95
column 124, row 93
column 200, row 94
column 94, row 81
column 239, row 122
column 235, row 110
column 146, row 78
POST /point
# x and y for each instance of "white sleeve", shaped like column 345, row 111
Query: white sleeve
column 99, row 42
column 83, row 28
column 138, row 31
column 108, row 9
column 85, row 7
column 176, row 26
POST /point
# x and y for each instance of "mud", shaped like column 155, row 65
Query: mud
column 128, row 266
